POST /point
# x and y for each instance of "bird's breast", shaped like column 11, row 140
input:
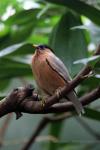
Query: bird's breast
column 47, row 79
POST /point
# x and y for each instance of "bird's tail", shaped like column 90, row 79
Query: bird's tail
column 78, row 106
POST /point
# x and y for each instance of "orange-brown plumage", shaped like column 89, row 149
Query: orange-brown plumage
column 50, row 74
column 47, row 79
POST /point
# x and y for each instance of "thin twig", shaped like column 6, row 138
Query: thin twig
column 4, row 127
column 68, row 106
column 88, row 128
column 44, row 122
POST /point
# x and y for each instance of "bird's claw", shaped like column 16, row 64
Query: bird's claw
column 18, row 115
column 58, row 92
column 91, row 74
column 43, row 102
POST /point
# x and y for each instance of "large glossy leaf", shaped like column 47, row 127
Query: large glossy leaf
column 92, row 114
column 69, row 45
column 55, row 131
column 6, row 3
column 10, row 49
column 20, row 49
column 17, row 35
column 11, row 68
column 97, row 67
column 81, row 8
column 91, row 61
column 20, row 26
column 90, row 83
column 23, row 17
column 68, row 48
column 39, row 38
column 3, row 84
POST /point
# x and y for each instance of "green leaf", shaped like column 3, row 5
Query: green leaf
column 12, row 68
column 81, row 27
column 19, row 49
column 38, row 38
column 97, row 67
column 69, row 45
column 92, row 114
column 55, row 131
column 90, row 83
column 20, row 26
column 1, row 97
column 3, row 84
column 23, row 17
column 4, row 30
column 10, row 49
column 6, row 3
column 90, row 61
column 81, row 8
column 94, row 33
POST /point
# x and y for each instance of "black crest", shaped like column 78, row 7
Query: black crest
column 43, row 47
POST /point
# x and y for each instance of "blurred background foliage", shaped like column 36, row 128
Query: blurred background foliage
column 72, row 29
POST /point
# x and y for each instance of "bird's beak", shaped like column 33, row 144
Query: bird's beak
column 35, row 46
column 36, row 49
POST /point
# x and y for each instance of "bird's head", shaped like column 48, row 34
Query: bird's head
column 42, row 48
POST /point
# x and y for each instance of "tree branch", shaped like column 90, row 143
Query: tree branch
column 15, row 103
column 68, row 106
column 26, row 100
column 61, row 108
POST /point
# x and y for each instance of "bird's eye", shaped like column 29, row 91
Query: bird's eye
column 42, row 47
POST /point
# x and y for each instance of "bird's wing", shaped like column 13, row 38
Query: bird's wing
column 57, row 65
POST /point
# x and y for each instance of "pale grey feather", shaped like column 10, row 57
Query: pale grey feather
column 57, row 65
column 78, row 106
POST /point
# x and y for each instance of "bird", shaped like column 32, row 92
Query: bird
column 51, row 74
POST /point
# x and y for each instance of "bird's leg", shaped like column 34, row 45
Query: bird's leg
column 58, row 92
column 18, row 115
column 43, row 100
column 91, row 74
column 43, row 103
